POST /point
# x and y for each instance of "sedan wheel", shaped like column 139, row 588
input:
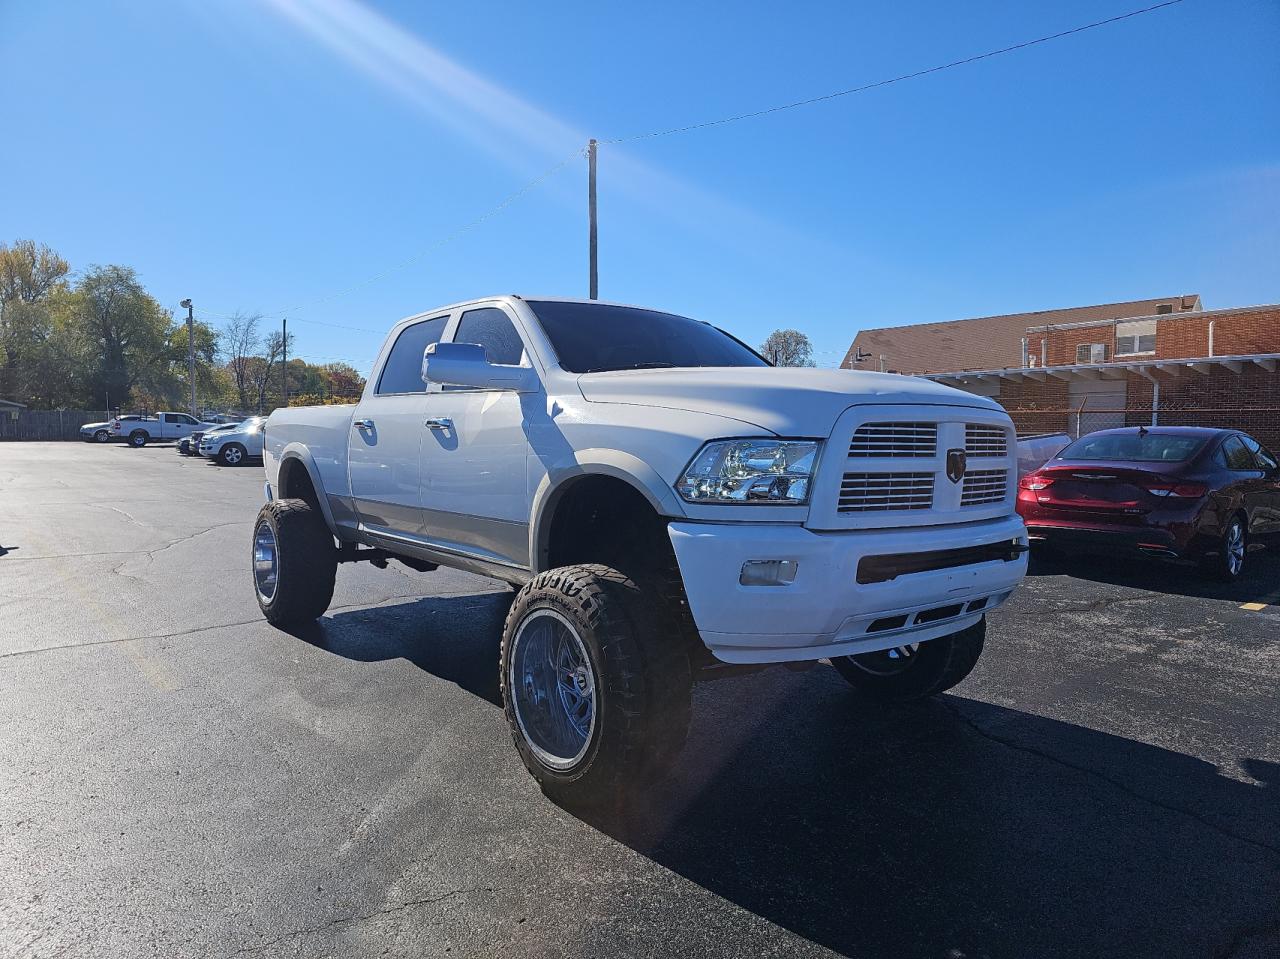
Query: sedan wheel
column 1227, row 562
column 101, row 436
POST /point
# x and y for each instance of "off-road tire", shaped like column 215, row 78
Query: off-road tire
column 1217, row 565
column 642, row 675
column 938, row 665
column 139, row 438
column 233, row 454
column 307, row 563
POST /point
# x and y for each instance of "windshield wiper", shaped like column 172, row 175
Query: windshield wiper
column 634, row 366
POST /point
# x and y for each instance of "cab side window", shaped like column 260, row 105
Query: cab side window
column 403, row 370
column 1236, row 456
column 491, row 328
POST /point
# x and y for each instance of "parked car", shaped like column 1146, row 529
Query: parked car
column 233, row 445
column 668, row 505
column 162, row 426
column 1178, row 493
column 191, row 445
column 101, row 432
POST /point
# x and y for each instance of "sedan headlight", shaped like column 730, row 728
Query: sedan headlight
column 750, row 472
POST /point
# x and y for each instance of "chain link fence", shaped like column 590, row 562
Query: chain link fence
column 1263, row 422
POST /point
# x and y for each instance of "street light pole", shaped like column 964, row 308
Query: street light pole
column 191, row 353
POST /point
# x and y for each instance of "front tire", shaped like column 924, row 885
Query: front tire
column 101, row 436
column 294, row 562
column 913, row 672
column 231, row 455
column 138, row 439
column 596, row 684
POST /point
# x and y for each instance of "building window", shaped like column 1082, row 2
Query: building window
column 1137, row 336
column 1091, row 352
column 1164, row 308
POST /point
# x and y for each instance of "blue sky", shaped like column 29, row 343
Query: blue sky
column 318, row 157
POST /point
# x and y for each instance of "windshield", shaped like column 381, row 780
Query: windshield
column 1140, row 447
column 594, row 338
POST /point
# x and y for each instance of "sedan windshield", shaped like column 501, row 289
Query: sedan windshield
column 1137, row 447
column 594, row 338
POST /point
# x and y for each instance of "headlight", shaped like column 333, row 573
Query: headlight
column 750, row 472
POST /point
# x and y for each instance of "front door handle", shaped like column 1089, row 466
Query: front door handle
column 363, row 424
column 439, row 423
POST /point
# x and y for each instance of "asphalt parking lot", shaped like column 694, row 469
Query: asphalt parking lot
column 181, row 779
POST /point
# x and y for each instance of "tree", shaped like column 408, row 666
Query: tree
column 788, row 348
column 240, row 345
column 260, row 373
column 31, row 276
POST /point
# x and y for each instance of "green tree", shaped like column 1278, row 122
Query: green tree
column 32, row 276
column 788, row 348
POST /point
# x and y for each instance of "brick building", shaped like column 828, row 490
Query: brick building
column 1166, row 360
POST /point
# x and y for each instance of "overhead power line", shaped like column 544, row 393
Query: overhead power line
column 891, row 80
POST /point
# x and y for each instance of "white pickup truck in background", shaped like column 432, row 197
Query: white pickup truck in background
column 139, row 431
column 669, row 506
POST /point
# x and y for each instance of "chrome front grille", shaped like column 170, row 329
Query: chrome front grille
column 895, row 440
column 984, row 486
column 981, row 440
column 867, row 492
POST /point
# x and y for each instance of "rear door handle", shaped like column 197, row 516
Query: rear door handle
column 439, row 423
column 363, row 424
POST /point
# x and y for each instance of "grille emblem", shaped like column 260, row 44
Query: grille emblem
column 956, row 460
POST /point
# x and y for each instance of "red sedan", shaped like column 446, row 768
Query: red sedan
column 1177, row 492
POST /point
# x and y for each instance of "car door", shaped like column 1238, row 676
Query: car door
column 474, row 488
column 1268, row 493
column 384, row 448
column 174, row 426
column 1247, row 480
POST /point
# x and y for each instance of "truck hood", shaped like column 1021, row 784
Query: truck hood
column 785, row 401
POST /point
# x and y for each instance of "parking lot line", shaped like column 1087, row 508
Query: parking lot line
column 1272, row 600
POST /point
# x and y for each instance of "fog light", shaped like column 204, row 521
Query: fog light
column 768, row 572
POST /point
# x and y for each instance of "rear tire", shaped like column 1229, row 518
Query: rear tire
column 294, row 562
column 138, row 439
column 1227, row 562
column 905, row 673
column 596, row 684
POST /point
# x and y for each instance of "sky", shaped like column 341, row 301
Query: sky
column 346, row 163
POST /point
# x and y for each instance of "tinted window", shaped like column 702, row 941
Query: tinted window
column 1145, row 447
column 1236, row 456
column 181, row 418
column 403, row 372
column 1260, row 453
column 593, row 337
column 492, row 329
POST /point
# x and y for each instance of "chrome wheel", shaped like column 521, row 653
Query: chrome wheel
column 1233, row 548
column 101, row 436
column 887, row 662
column 266, row 561
column 553, row 689
column 232, row 455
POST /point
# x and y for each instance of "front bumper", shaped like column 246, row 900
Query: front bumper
column 825, row 611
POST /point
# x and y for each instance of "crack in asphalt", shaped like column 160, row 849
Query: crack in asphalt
column 1116, row 784
column 152, row 553
column 1091, row 607
column 348, row 920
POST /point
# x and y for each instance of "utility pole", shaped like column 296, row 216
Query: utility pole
column 191, row 353
column 591, row 215
column 284, row 364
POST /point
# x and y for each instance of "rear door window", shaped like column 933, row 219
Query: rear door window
column 1260, row 453
column 1236, row 455
column 402, row 372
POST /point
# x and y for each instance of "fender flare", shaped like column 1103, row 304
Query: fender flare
column 632, row 470
column 299, row 452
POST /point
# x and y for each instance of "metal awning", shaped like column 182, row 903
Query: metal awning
column 1115, row 370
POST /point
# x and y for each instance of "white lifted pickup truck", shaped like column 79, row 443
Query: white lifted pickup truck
column 669, row 505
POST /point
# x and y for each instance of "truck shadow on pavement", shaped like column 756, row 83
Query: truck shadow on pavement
column 954, row 828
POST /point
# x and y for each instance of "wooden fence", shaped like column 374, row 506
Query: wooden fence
column 47, row 424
